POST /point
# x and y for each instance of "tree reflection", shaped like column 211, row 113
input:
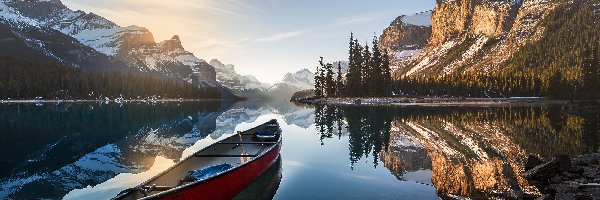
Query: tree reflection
column 473, row 152
column 368, row 129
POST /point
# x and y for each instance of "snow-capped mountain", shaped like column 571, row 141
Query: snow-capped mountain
column 83, row 39
column 246, row 85
column 406, row 37
column 293, row 82
column 25, row 38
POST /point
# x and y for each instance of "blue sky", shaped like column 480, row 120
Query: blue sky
column 264, row 38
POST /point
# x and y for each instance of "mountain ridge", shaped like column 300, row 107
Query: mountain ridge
column 92, row 40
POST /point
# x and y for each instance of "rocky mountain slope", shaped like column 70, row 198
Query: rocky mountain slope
column 406, row 37
column 245, row 85
column 56, row 33
column 477, row 35
column 24, row 38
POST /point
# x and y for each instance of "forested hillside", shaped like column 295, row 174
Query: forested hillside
column 563, row 63
column 26, row 80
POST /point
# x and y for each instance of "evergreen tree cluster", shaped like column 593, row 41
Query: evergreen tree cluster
column 564, row 63
column 368, row 74
column 25, row 80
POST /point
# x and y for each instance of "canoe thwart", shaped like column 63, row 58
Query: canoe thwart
column 225, row 156
column 247, row 143
column 155, row 188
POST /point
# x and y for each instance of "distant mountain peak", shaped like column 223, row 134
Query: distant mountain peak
column 173, row 44
column 246, row 85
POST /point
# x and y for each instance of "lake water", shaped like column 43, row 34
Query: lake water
column 93, row 151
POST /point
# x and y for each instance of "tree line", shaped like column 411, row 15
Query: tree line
column 368, row 74
column 25, row 80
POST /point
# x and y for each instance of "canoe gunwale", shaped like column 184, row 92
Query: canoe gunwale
column 273, row 145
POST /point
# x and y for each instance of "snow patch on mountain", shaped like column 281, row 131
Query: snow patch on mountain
column 431, row 57
column 9, row 14
column 419, row 19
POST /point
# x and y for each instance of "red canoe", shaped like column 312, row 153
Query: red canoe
column 219, row 171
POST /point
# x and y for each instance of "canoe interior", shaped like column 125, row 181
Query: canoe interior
column 235, row 150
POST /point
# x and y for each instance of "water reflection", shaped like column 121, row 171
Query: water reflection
column 471, row 152
column 50, row 150
column 368, row 128
column 91, row 151
column 265, row 187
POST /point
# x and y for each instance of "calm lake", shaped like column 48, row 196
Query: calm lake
column 93, row 150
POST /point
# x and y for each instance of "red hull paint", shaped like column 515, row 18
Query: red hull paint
column 227, row 186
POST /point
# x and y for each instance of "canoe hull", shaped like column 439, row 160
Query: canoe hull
column 229, row 184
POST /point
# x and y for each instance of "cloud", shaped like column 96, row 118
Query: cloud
column 280, row 36
column 355, row 20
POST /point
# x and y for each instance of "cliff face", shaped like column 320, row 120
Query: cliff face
column 406, row 37
column 476, row 35
column 489, row 17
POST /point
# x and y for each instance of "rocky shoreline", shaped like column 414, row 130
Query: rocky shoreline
column 563, row 178
column 524, row 101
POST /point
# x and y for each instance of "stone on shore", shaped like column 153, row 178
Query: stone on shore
column 544, row 172
column 562, row 178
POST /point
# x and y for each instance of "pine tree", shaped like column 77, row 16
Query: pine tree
column 366, row 72
column 375, row 82
column 386, row 75
column 596, row 90
column 322, row 80
column 329, row 82
column 354, row 76
column 339, row 81
column 590, row 75
column 587, row 75
column 318, row 83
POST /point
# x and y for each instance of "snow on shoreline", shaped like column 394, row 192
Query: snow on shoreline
column 435, row 101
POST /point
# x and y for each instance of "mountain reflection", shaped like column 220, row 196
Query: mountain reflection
column 50, row 150
column 471, row 152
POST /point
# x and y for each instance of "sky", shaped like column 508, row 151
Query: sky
column 264, row 38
